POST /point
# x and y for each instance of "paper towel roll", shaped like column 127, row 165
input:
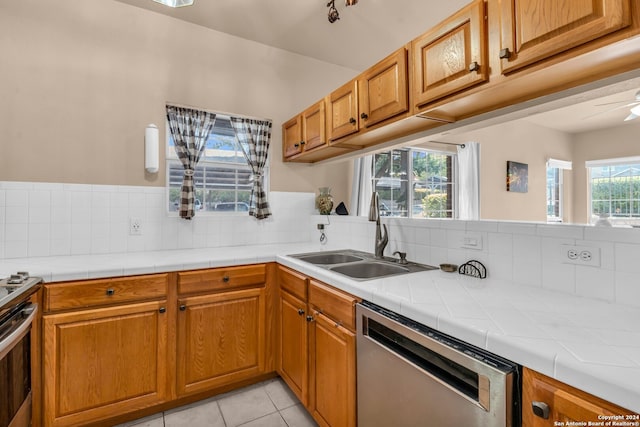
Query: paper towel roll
column 151, row 149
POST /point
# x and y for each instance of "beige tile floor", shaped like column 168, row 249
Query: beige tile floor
column 267, row 404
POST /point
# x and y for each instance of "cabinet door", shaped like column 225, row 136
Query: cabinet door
column 343, row 111
column 450, row 57
column 221, row 339
column 383, row 89
column 532, row 30
column 293, row 356
column 292, row 137
column 103, row 362
column 564, row 403
column 313, row 125
column 333, row 373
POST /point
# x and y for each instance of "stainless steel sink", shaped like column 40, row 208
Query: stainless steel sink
column 360, row 265
column 369, row 269
column 330, row 258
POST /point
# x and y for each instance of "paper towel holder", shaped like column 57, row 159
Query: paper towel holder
column 151, row 149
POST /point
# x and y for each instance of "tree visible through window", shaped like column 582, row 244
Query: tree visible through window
column 222, row 178
column 415, row 183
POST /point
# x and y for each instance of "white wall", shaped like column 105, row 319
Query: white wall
column 81, row 79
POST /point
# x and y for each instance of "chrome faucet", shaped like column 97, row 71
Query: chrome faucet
column 374, row 215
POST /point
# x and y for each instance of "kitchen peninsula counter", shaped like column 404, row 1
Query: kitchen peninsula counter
column 590, row 344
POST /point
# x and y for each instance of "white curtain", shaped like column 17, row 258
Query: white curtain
column 361, row 186
column 469, row 181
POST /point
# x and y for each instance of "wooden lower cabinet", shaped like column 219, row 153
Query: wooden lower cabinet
column 221, row 339
column 293, row 346
column 317, row 347
column 332, row 352
column 103, row 362
column 548, row 402
column 126, row 347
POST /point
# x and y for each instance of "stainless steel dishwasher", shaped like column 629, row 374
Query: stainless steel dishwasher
column 410, row 375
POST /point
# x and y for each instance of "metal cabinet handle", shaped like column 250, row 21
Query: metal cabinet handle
column 111, row 291
column 296, row 145
column 302, row 142
column 505, row 53
column 540, row 409
column 183, row 307
column 352, row 121
column 162, row 310
column 226, row 279
column 300, row 311
column 474, row 66
column 309, row 319
column 364, row 116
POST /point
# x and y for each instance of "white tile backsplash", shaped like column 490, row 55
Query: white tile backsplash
column 49, row 219
column 524, row 254
column 45, row 219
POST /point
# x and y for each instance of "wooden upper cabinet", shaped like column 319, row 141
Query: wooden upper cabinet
column 451, row 56
column 383, row 89
column 532, row 30
column 343, row 111
column 547, row 402
column 292, row 137
column 313, row 126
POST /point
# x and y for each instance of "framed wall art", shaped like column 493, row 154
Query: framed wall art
column 517, row 177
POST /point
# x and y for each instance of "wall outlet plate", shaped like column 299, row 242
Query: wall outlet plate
column 471, row 241
column 580, row 255
column 135, row 226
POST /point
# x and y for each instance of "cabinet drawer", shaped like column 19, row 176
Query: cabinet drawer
column 90, row 293
column 293, row 282
column 335, row 304
column 221, row 279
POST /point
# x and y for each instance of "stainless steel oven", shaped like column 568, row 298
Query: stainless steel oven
column 411, row 375
column 17, row 315
column 15, row 365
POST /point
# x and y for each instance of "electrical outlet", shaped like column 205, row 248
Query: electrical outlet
column 471, row 241
column 135, row 226
column 580, row 255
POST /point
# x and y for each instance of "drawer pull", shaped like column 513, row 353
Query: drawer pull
column 226, row 279
column 352, row 121
column 309, row 319
column 300, row 311
column 540, row 409
column 505, row 53
column 474, row 66
column 111, row 291
column 183, row 307
column 162, row 310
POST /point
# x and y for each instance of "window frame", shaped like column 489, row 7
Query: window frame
column 410, row 184
column 618, row 218
column 172, row 160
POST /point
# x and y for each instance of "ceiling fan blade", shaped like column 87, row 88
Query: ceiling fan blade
column 631, row 116
column 617, row 102
column 608, row 111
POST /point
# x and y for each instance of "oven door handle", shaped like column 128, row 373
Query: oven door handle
column 19, row 331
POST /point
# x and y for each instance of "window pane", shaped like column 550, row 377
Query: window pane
column 433, row 185
column 554, row 193
column 414, row 183
column 615, row 193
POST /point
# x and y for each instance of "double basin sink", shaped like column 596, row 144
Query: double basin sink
column 360, row 265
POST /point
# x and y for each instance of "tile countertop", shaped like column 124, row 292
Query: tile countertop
column 592, row 345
